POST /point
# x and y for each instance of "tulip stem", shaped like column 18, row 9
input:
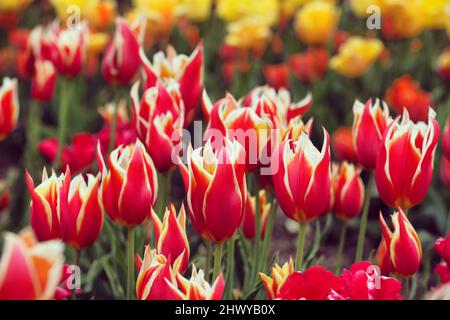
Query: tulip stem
column 230, row 268
column 300, row 245
column 34, row 119
column 65, row 96
column 365, row 214
column 217, row 261
column 208, row 260
column 341, row 246
column 130, row 256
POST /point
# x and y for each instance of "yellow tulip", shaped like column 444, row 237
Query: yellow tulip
column 316, row 22
column 267, row 11
column 62, row 7
column 406, row 18
column 436, row 17
column 196, row 10
column 356, row 56
column 161, row 14
column 13, row 5
column 248, row 34
column 359, row 7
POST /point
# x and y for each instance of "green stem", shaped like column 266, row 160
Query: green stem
column 448, row 221
column 217, row 260
column 163, row 193
column 65, row 96
column 34, row 121
column 76, row 262
column 341, row 246
column 208, row 260
column 230, row 268
column 300, row 246
column 267, row 236
column 407, row 289
column 365, row 214
column 130, row 256
column 113, row 127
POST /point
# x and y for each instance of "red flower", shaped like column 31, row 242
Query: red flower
column 159, row 119
column 310, row 65
column 342, row 144
column 130, row 187
column 9, row 107
column 348, row 190
column 43, row 81
column 277, row 75
column 403, row 245
column 48, row 204
column 82, row 223
column 442, row 246
column 249, row 220
column 369, row 122
column 121, row 60
column 405, row 93
column 405, row 161
column 301, row 177
column 363, row 282
column 315, row 283
column 443, row 271
column 186, row 71
column 216, row 189
column 171, row 238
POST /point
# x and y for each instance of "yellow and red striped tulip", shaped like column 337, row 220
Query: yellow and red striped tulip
column 369, row 122
column 121, row 61
column 158, row 118
column 403, row 245
column 186, row 71
column 130, row 187
column 348, row 190
column 279, row 275
column 156, row 275
column 405, row 161
column 249, row 219
column 9, row 107
column 82, row 223
column 43, row 81
column 170, row 234
column 446, row 139
column 196, row 288
column 301, row 177
column 30, row 270
column 68, row 49
column 48, row 204
column 216, row 189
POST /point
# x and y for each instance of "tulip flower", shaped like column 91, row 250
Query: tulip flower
column 306, row 26
column 216, row 189
column 130, row 187
column 397, row 13
column 356, row 56
column 446, row 139
column 159, row 119
column 405, row 161
column 9, row 107
column 276, row 75
column 315, row 283
column 121, row 60
column 442, row 246
column 443, row 64
column 369, row 122
column 196, row 288
column 310, row 65
column 48, row 204
column 186, row 71
column 68, row 50
column 156, row 276
column 302, row 182
column 82, row 223
column 171, row 237
column 405, row 93
column 362, row 282
column 29, row 271
column 43, row 81
column 250, row 35
column 342, row 144
column 249, row 219
column 348, row 189
column 403, row 245
column 279, row 275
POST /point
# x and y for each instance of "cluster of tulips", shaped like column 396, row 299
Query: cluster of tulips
column 257, row 157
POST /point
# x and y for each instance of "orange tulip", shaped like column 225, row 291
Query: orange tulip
column 30, row 270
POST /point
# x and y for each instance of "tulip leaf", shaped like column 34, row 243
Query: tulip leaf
column 113, row 278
